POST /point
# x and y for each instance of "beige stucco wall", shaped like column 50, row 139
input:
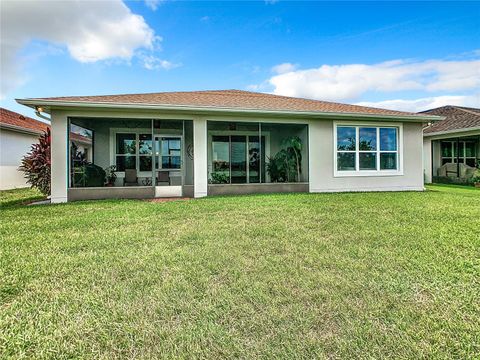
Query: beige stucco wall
column 13, row 146
column 427, row 160
column 322, row 178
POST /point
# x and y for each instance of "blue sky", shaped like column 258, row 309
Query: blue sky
column 405, row 55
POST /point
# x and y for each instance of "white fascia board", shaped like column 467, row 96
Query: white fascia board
column 49, row 104
column 457, row 132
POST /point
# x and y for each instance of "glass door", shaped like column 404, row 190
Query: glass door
column 168, row 165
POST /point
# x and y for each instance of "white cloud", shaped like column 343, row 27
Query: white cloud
column 421, row 104
column 90, row 30
column 151, row 62
column 153, row 4
column 349, row 82
column 284, row 68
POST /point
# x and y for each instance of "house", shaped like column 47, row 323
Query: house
column 200, row 143
column 452, row 146
column 17, row 134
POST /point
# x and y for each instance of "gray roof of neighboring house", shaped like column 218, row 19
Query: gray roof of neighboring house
column 457, row 118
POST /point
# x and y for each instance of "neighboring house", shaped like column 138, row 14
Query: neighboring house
column 17, row 134
column 202, row 143
column 452, row 146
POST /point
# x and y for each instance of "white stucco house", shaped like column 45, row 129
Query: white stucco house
column 452, row 146
column 17, row 134
column 200, row 143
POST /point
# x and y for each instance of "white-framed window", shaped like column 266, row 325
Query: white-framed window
column 466, row 152
column 367, row 150
column 133, row 150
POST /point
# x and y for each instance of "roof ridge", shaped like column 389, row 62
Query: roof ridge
column 468, row 110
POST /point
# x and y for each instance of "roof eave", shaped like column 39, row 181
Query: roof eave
column 49, row 104
column 20, row 129
column 452, row 132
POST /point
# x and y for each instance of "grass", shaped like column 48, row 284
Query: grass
column 371, row 275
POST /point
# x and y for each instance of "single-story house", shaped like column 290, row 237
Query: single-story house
column 17, row 134
column 200, row 143
column 452, row 146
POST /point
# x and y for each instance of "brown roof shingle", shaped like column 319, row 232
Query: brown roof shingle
column 230, row 99
column 12, row 118
column 8, row 117
column 457, row 118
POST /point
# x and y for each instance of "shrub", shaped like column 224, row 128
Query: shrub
column 219, row 178
column 37, row 165
column 476, row 176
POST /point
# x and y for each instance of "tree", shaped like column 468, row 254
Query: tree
column 37, row 165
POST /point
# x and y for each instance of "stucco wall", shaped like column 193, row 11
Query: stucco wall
column 322, row 177
column 13, row 146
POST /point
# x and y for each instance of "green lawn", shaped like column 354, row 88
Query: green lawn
column 369, row 275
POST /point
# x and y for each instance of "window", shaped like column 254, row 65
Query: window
column 126, row 150
column 170, row 152
column 145, row 152
column 366, row 150
column 133, row 151
column 465, row 152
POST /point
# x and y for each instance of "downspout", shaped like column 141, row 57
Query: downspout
column 38, row 110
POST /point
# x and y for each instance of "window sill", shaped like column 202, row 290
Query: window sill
column 367, row 173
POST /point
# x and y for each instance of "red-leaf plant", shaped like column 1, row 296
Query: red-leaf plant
column 36, row 164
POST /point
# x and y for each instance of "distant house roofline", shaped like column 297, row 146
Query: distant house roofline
column 457, row 119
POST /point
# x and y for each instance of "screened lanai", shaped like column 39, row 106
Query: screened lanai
column 138, row 158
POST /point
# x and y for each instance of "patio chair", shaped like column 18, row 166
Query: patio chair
column 130, row 178
column 163, row 178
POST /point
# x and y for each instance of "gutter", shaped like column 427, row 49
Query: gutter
column 35, row 103
column 447, row 132
column 38, row 110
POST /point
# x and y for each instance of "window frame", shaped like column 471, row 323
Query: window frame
column 462, row 155
column 137, row 155
column 357, row 151
column 160, row 155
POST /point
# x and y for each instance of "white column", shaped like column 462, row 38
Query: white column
column 200, row 173
column 59, row 157
column 427, row 160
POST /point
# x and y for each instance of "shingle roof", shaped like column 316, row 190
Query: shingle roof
column 229, row 99
column 457, row 118
column 8, row 117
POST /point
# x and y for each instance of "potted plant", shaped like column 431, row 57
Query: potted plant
column 110, row 175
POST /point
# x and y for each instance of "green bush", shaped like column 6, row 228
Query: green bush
column 219, row 178
column 476, row 176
